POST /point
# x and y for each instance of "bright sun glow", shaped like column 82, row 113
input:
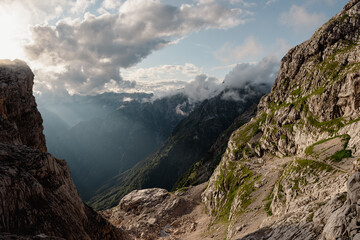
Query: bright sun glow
column 14, row 31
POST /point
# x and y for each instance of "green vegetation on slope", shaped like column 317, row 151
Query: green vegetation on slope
column 201, row 171
column 237, row 181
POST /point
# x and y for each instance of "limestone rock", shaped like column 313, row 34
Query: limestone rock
column 308, row 128
column 153, row 213
column 20, row 121
column 38, row 199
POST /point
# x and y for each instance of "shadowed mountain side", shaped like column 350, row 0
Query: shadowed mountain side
column 189, row 142
column 201, row 171
column 103, row 147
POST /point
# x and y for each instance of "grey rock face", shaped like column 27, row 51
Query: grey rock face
column 318, row 81
column 313, row 104
column 20, row 121
column 341, row 220
column 152, row 213
column 37, row 195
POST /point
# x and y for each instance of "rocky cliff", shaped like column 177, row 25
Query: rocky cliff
column 20, row 121
column 287, row 171
column 37, row 195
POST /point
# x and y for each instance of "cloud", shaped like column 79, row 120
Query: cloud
column 250, row 50
column 161, row 80
column 17, row 15
column 269, row 2
column 111, row 4
column 232, row 96
column 202, row 87
column 40, row 12
column 169, row 72
column 181, row 112
column 263, row 72
column 90, row 51
column 244, row 3
column 300, row 20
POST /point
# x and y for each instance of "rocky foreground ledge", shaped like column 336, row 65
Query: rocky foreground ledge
column 37, row 194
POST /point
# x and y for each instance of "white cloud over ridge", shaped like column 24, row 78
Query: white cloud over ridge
column 263, row 72
column 92, row 50
column 169, row 72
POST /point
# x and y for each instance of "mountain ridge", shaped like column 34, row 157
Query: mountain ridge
column 306, row 130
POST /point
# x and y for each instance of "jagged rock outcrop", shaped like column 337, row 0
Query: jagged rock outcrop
column 155, row 213
column 37, row 195
column 285, row 171
column 334, row 220
column 20, row 121
column 317, row 89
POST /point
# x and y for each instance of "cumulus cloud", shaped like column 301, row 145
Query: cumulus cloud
column 40, row 11
column 17, row 15
column 202, row 87
column 91, row 50
column 250, row 50
column 111, row 4
column 300, row 20
column 263, row 72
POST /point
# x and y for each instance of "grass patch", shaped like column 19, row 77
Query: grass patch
column 268, row 208
column 331, row 126
column 234, row 181
column 312, row 165
column 298, row 172
column 340, row 155
column 310, row 150
column 268, row 200
column 296, row 92
column 245, row 133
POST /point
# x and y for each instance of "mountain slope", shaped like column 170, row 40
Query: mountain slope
column 202, row 170
column 37, row 195
column 285, row 171
column 189, row 142
column 102, row 147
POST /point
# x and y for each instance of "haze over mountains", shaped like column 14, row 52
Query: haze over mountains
column 113, row 141
column 104, row 135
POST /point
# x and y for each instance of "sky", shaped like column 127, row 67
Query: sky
column 160, row 46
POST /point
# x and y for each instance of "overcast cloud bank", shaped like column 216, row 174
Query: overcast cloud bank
column 89, row 53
